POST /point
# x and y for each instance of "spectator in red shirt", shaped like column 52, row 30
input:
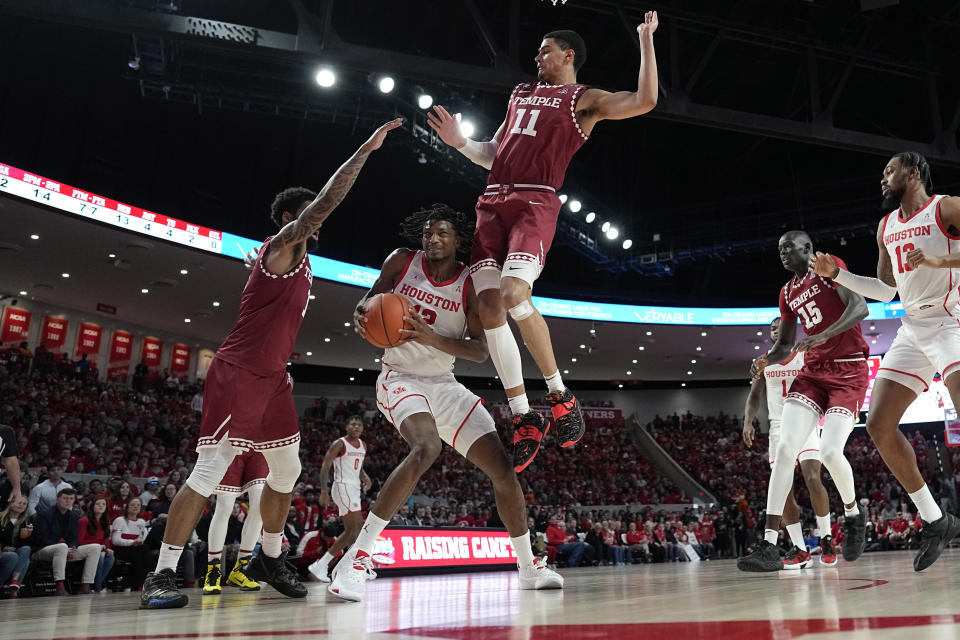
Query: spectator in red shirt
column 639, row 541
column 94, row 528
column 464, row 519
column 566, row 543
column 117, row 503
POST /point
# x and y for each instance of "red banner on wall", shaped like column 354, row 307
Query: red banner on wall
column 180, row 360
column 121, row 348
column 16, row 324
column 88, row 339
column 54, row 334
column 152, row 348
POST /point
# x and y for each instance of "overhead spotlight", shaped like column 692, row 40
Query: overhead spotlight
column 699, row 348
column 703, row 333
column 346, row 324
column 873, row 327
column 756, row 347
column 641, row 347
column 620, row 386
column 693, row 361
column 422, row 158
column 325, row 77
column 65, row 275
column 573, row 359
column 605, row 226
column 309, row 353
column 563, row 198
column 326, row 339
column 144, row 290
column 134, row 63
column 351, row 378
column 591, row 217
column 34, row 236
column 634, row 362
column 649, row 333
column 683, row 384
column 425, row 101
column 216, row 303
column 627, row 243
column 386, row 84
column 187, row 320
column 312, row 297
column 689, row 373
column 111, row 255
column 629, row 373
column 183, row 272
column 23, row 293
column 759, row 333
column 575, row 205
column 612, row 233
column 583, row 346
column 466, row 127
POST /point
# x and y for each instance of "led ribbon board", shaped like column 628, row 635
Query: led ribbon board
column 87, row 205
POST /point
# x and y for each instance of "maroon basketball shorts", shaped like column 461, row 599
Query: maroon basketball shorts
column 513, row 235
column 247, row 469
column 253, row 412
column 832, row 386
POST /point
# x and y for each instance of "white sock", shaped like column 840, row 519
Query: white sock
column 372, row 528
column 519, row 405
column 214, row 556
column 505, row 354
column 272, row 543
column 521, row 546
column 169, row 557
column 926, row 505
column 771, row 535
column 554, row 382
column 795, row 531
column 823, row 526
column 325, row 560
column 850, row 511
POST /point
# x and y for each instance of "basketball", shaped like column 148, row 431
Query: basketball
column 384, row 313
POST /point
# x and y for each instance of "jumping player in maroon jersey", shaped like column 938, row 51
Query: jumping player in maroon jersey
column 546, row 123
column 248, row 403
column 831, row 385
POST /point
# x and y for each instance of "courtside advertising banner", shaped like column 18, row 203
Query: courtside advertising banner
column 415, row 548
column 88, row 339
column 16, row 325
column 180, row 360
column 152, row 348
column 54, row 334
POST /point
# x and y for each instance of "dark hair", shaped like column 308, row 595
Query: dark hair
column 356, row 417
column 566, row 40
column 913, row 159
column 92, row 521
column 67, row 491
column 412, row 227
column 290, row 200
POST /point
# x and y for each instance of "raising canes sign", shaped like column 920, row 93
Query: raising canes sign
column 411, row 548
column 180, row 359
column 150, row 354
column 16, row 325
column 54, row 334
column 88, row 339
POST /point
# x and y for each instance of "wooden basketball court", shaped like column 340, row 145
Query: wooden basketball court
column 879, row 597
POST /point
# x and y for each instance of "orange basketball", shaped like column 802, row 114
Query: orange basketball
column 384, row 313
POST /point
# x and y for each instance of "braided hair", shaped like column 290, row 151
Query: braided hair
column 411, row 229
column 913, row 159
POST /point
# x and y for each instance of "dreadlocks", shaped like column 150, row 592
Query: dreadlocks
column 411, row 229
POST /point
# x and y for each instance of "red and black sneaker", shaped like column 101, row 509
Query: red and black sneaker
column 528, row 432
column 796, row 558
column 567, row 415
column 828, row 554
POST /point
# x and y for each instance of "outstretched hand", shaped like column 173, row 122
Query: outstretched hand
column 757, row 367
column 916, row 257
column 376, row 140
column 810, row 342
column 649, row 25
column 824, row 265
column 446, row 127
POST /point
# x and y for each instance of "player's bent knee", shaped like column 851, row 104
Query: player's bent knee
column 211, row 465
column 423, row 454
column 521, row 311
column 284, row 465
column 487, row 279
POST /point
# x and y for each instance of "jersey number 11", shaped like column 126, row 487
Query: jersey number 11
column 531, row 123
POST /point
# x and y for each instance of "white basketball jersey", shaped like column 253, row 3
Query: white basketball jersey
column 779, row 377
column 923, row 291
column 442, row 306
column 346, row 466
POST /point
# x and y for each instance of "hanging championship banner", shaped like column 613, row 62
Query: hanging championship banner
column 16, row 325
column 88, row 339
column 54, row 334
column 180, row 360
column 121, row 348
column 152, row 348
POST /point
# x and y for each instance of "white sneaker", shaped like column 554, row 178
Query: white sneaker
column 350, row 579
column 319, row 571
column 539, row 576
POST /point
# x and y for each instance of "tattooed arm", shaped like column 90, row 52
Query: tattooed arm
column 287, row 247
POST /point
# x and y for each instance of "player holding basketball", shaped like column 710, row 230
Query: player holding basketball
column 921, row 235
column 546, row 123
column 248, row 403
column 345, row 456
column 778, row 378
column 247, row 474
column 417, row 392
column 831, row 385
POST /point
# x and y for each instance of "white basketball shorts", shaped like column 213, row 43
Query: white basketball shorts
column 923, row 347
column 346, row 497
column 458, row 413
column 810, row 450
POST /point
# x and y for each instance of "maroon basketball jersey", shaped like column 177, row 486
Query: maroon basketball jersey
column 271, row 312
column 540, row 136
column 815, row 301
